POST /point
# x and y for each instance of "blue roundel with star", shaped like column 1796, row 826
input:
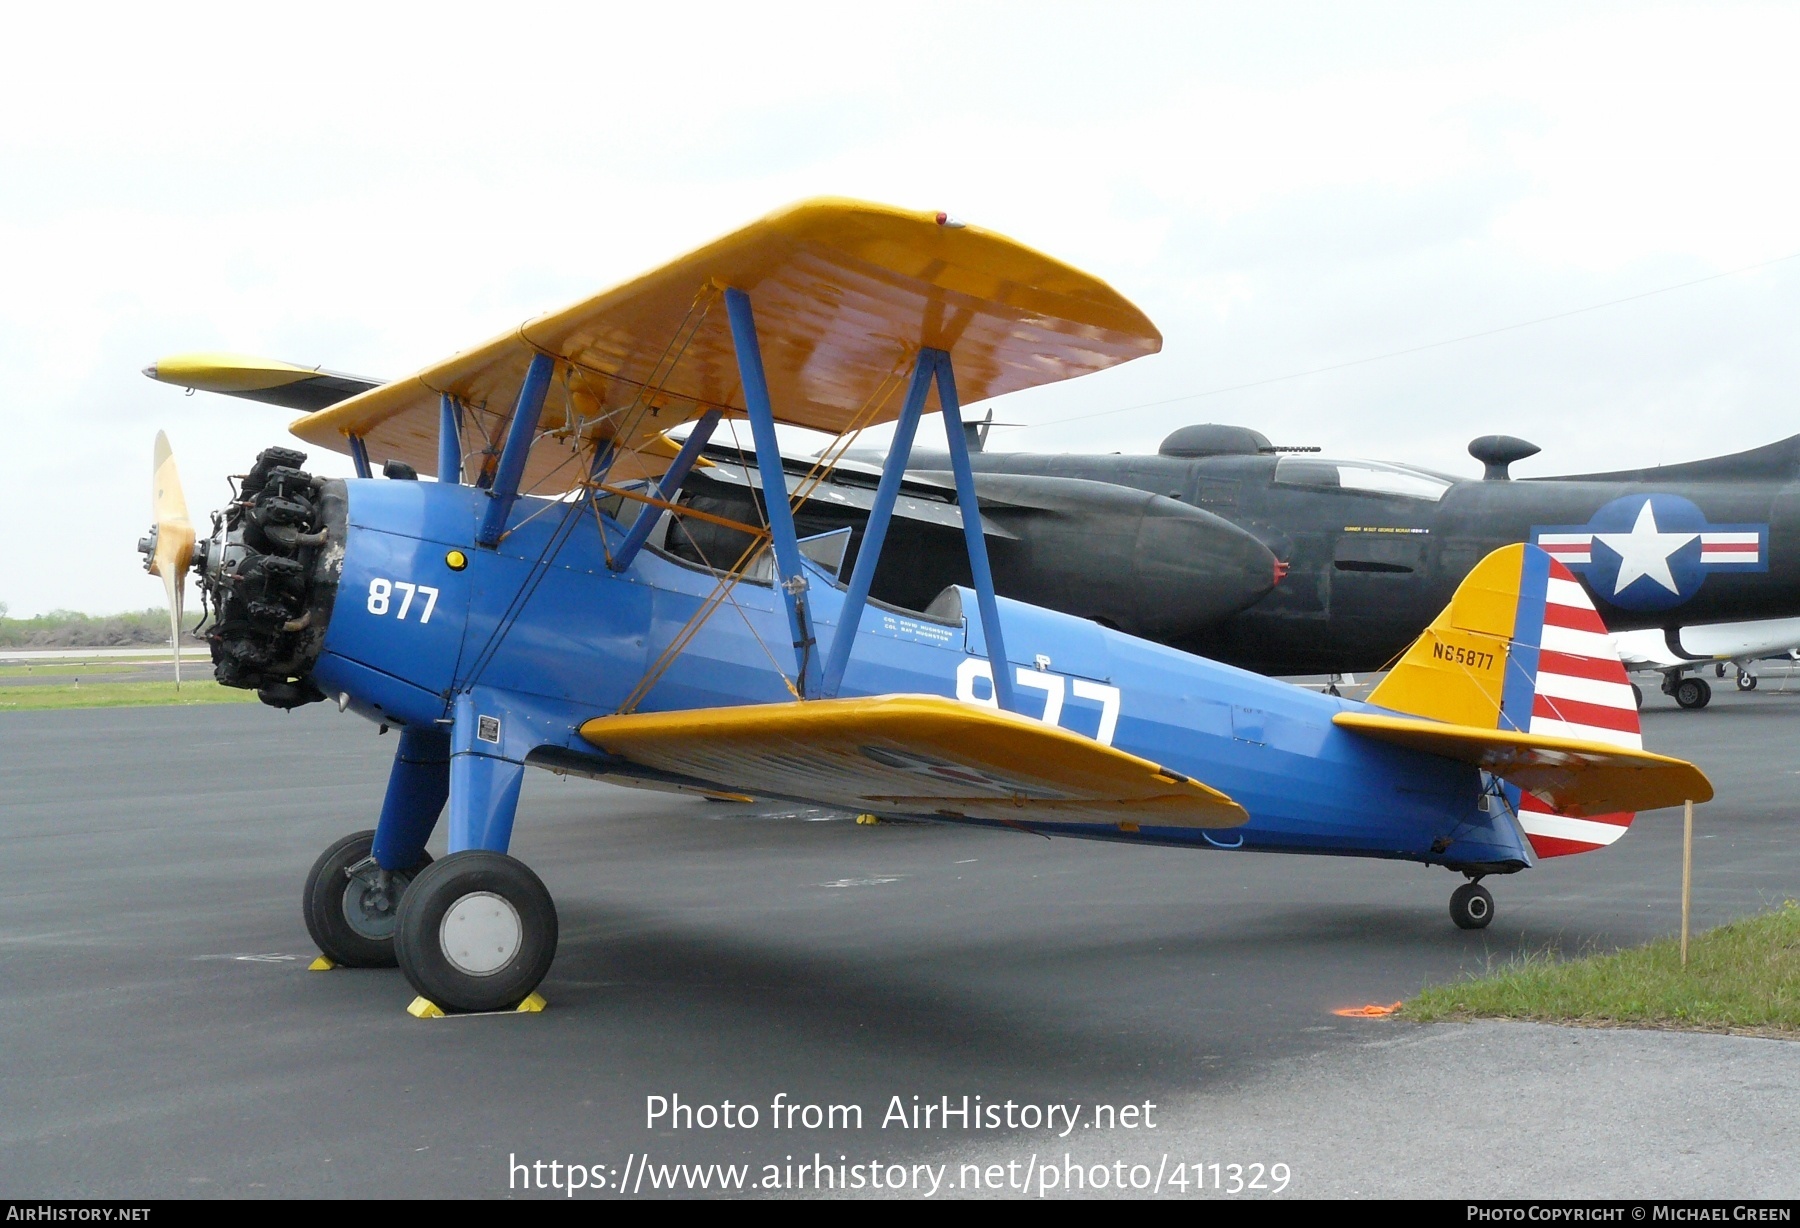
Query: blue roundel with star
column 1652, row 552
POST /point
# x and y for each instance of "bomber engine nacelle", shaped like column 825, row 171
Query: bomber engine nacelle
column 1149, row 565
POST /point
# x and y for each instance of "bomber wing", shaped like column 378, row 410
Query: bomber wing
column 911, row 756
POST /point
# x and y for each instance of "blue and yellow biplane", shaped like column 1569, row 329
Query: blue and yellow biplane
column 526, row 609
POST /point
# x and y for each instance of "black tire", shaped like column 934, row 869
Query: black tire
column 476, row 897
column 1471, row 907
column 1693, row 693
column 1746, row 682
column 1719, row 670
column 342, row 915
column 1637, row 693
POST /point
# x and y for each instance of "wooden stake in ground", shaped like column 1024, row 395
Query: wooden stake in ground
column 1687, row 872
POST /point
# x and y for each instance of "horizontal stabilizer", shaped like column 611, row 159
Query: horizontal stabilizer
column 913, row 756
column 1572, row 776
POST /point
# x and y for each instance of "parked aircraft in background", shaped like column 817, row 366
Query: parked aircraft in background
column 1680, row 654
column 1371, row 549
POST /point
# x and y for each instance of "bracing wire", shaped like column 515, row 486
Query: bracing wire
column 680, row 523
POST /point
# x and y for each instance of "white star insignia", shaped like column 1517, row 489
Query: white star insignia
column 1644, row 551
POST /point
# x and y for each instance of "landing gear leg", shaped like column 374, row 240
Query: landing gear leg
column 1471, row 906
column 477, row 930
column 352, row 896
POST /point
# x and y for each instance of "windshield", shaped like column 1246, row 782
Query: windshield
column 1372, row 477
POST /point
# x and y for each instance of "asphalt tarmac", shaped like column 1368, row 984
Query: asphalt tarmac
column 160, row 1035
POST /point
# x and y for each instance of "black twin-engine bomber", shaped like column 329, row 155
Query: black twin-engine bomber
column 1370, row 551
column 1286, row 562
column 269, row 574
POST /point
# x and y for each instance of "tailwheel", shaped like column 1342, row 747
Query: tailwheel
column 1693, row 693
column 351, row 904
column 1471, row 907
column 477, row 932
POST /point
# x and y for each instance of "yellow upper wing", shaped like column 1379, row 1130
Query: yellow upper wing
column 913, row 755
column 1571, row 776
column 844, row 294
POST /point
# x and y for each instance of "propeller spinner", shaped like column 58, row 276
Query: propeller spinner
column 170, row 546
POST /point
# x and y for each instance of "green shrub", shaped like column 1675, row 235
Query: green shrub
column 72, row 629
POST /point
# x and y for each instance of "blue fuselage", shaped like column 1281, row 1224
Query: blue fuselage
column 542, row 630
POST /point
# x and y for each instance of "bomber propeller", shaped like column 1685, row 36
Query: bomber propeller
column 170, row 546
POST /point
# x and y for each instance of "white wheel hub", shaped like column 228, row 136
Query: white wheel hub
column 481, row 933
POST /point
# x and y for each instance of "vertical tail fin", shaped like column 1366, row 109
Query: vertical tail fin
column 1521, row 647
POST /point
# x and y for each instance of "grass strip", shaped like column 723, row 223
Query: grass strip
column 93, row 668
column 119, row 695
column 1741, row 977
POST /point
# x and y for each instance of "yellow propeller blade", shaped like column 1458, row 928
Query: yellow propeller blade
column 174, row 539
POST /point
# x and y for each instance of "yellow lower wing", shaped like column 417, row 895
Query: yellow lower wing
column 1571, row 776
column 913, row 755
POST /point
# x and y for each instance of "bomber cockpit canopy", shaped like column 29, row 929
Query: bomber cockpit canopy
column 1366, row 477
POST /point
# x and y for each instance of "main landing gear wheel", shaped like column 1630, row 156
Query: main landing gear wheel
column 1746, row 682
column 351, row 907
column 1471, row 907
column 1693, row 693
column 477, row 931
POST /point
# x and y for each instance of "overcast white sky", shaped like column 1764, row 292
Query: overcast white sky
column 1281, row 187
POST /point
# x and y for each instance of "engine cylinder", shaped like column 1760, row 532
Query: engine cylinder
column 269, row 574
